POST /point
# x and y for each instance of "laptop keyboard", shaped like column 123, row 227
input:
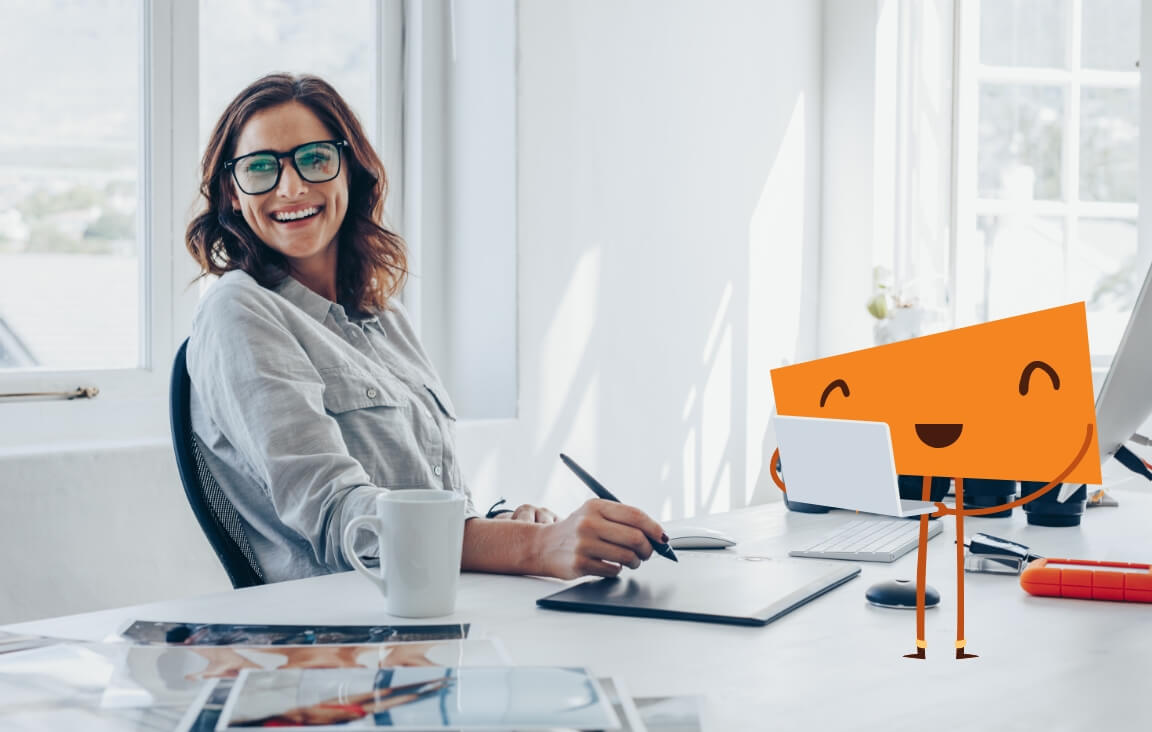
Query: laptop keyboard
column 864, row 540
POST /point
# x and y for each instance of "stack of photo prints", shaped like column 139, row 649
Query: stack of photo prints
column 206, row 677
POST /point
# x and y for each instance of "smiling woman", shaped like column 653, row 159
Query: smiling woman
column 311, row 392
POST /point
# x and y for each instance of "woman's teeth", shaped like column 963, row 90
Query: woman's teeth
column 296, row 215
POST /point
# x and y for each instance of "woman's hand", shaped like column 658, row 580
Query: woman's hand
column 599, row 538
column 528, row 512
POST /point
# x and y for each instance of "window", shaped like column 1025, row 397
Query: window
column 241, row 40
column 1046, row 155
column 70, row 148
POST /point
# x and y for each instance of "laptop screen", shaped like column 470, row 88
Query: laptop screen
column 840, row 463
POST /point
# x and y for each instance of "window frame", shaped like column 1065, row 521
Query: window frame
column 969, row 74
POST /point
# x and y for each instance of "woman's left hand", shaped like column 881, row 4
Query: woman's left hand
column 530, row 513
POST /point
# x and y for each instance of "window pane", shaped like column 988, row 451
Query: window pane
column 1020, row 137
column 69, row 270
column 1111, row 35
column 1109, row 144
column 1025, row 264
column 1023, row 32
column 242, row 40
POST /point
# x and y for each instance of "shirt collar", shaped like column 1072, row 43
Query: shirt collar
column 314, row 305
column 317, row 306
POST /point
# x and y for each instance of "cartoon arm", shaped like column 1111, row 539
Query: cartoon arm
column 772, row 468
column 946, row 510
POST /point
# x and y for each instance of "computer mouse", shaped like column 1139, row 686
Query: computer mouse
column 698, row 537
column 900, row 594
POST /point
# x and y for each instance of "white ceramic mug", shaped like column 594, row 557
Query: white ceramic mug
column 421, row 534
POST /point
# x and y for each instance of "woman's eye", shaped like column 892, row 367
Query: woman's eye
column 260, row 166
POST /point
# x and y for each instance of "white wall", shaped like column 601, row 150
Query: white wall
column 668, row 200
column 94, row 528
column 668, row 172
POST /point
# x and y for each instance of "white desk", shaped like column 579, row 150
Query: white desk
column 836, row 663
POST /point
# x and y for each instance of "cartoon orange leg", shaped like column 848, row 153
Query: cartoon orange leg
column 960, row 641
column 921, row 572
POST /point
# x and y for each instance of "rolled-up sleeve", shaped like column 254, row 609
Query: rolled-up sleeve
column 259, row 385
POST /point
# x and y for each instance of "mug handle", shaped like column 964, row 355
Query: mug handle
column 377, row 527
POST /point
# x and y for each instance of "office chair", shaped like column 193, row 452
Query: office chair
column 217, row 516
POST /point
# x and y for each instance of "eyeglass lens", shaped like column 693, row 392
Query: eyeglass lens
column 317, row 162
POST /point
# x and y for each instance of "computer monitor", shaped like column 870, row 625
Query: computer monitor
column 1125, row 400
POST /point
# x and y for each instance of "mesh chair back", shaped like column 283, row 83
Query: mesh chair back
column 215, row 513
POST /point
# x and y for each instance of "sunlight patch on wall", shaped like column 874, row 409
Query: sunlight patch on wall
column 716, row 408
column 566, row 357
column 776, row 262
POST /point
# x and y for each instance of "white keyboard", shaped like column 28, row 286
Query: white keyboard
column 870, row 540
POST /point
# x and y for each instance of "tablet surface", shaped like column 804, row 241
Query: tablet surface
column 712, row 588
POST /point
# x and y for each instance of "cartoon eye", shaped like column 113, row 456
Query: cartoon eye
column 828, row 390
column 1043, row 367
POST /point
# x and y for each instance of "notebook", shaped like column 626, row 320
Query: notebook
column 718, row 587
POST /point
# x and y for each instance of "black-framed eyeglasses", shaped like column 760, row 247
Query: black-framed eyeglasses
column 259, row 172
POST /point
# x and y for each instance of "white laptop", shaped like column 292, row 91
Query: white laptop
column 842, row 463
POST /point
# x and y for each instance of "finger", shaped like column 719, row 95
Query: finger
column 631, row 516
column 544, row 516
column 600, row 550
column 626, row 537
column 524, row 512
column 598, row 568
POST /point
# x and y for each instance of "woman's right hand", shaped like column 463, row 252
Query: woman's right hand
column 599, row 538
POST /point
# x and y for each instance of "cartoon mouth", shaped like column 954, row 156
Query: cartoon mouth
column 938, row 435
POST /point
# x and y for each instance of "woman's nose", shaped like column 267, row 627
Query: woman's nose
column 291, row 184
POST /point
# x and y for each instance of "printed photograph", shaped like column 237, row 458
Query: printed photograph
column 151, row 632
column 176, row 675
column 476, row 698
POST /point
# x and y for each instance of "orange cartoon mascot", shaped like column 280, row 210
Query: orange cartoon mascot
column 1009, row 399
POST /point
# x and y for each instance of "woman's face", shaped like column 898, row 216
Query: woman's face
column 308, row 241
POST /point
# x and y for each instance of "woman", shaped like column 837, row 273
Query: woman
column 310, row 391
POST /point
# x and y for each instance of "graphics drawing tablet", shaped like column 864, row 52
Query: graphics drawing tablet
column 712, row 588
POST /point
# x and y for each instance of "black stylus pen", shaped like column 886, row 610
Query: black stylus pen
column 601, row 492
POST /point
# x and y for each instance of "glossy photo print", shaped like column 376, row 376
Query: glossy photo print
column 148, row 632
column 477, row 698
column 165, row 675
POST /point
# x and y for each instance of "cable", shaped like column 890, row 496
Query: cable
column 1133, row 462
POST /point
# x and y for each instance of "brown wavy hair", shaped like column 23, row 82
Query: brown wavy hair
column 372, row 262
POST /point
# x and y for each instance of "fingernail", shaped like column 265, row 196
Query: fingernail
column 663, row 538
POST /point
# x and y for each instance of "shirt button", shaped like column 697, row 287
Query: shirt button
column 437, row 470
column 371, row 393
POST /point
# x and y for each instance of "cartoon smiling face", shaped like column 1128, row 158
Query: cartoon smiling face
column 1009, row 399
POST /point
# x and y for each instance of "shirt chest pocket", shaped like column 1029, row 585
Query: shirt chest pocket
column 377, row 424
column 346, row 390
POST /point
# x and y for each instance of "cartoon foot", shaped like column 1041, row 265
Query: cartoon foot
column 918, row 654
column 961, row 654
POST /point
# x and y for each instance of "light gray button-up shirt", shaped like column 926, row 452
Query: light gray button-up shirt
column 304, row 415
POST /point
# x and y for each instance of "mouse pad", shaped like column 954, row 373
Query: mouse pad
column 712, row 588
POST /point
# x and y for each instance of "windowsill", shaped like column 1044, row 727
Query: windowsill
column 82, row 446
